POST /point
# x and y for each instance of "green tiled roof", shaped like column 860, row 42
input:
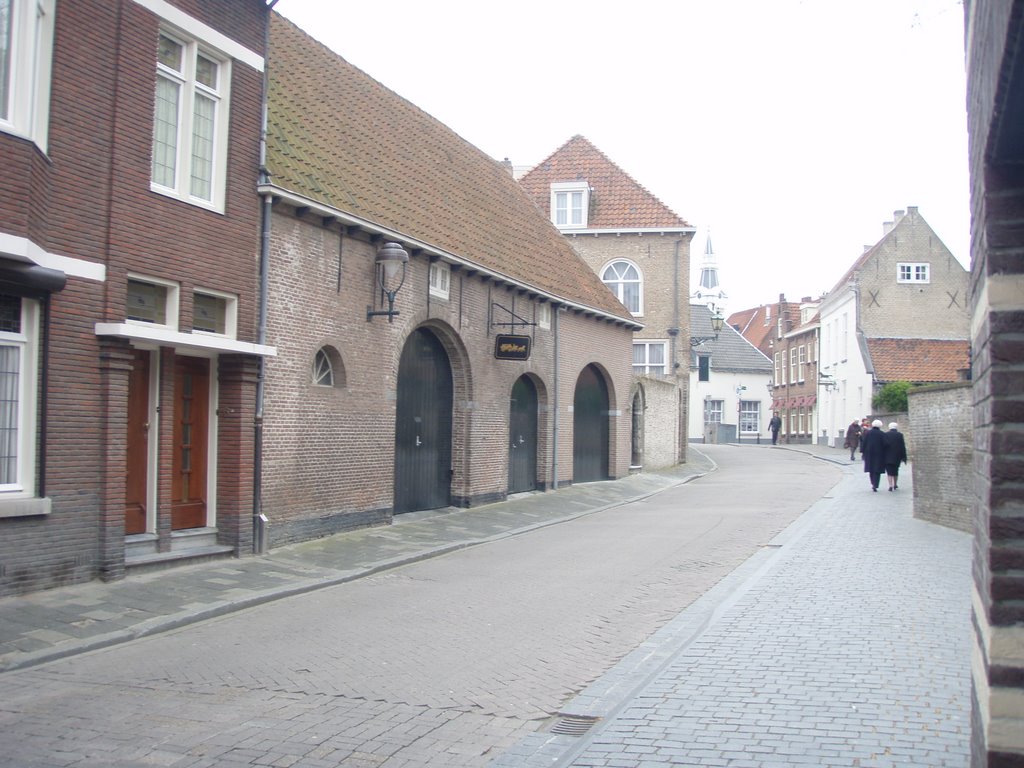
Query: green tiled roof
column 338, row 137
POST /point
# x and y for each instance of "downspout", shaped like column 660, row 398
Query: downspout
column 554, row 410
column 260, row 543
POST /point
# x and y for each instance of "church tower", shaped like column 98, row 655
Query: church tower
column 709, row 291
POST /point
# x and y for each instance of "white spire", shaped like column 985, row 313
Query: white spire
column 709, row 291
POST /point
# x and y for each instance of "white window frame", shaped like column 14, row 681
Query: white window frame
column 188, row 90
column 26, row 112
column 230, row 313
column 171, row 309
column 913, row 272
column 544, row 315
column 647, row 367
column 440, row 279
column 564, row 190
column 780, row 369
column 801, row 361
column 27, row 341
column 792, row 365
column 750, row 416
column 616, row 286
column 715, row 411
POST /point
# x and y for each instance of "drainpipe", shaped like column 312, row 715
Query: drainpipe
column 675, row 308
column 554, row 410
column 259, row 521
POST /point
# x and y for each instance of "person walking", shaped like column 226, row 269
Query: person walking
column 775, row 424
column 895, row 452
column 873, row 451
column 852, row 438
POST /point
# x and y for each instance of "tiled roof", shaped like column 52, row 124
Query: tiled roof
column 617, row 201
column 751, row 325
column 338, row 137
column 730, row 351
column 921, row 361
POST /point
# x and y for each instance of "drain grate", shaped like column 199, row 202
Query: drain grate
column 573, row 725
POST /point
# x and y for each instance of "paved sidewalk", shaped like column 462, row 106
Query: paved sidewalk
column 846, row 642
column 61, row 622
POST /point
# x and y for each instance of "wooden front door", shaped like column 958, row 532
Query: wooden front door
column 522, row 435
column 423, row 425
column 136, row 486
column 191, row 440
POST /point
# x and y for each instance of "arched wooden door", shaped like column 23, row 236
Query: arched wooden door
column 590, row 427
column 423, row 425
column 522, row 435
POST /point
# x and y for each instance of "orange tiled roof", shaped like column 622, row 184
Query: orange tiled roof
column 617, row 201
column 921, row 361
column 338, row 137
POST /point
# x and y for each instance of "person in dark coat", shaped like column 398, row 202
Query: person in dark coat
column 895, row 450
column 774, row 425
column 852, row 438
column 873, row 451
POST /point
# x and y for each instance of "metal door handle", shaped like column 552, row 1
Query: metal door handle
column 418, row 442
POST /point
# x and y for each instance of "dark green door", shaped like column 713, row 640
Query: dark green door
column 590, row 427
column 522, row 435
column 423, row 425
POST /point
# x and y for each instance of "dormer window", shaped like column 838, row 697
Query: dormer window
column 570, row 202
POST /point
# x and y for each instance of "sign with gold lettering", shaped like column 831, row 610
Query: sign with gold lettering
column 509, row 347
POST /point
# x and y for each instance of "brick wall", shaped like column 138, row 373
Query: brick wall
column 662, row 417
column 329, row 451
column 942, row 459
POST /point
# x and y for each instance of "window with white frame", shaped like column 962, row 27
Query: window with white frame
column 750, row 416
column 713, row 411
column 780, row 369
column 544, row 315
column 152, row 301
column 768, row 314
column 792, row 366
column 800, row 416
column 801, row 361
column 703, row 367
column 440, row 279
column 190, row 122
column 26, row 51
column 913, row 272
column 19, row 331
column 649, row 357
column 623, row 279
column 569, row 204
column 214, row 312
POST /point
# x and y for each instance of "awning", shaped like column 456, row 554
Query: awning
column 30, row 280
column 812, row 399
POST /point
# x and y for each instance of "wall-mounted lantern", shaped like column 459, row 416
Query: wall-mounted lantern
column 390, row 265
column 827, row 381
column 717, row 322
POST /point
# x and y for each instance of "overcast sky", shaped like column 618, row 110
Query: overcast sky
column 791, row 128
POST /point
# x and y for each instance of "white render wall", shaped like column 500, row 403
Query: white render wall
column 840, row 357
column 723, row 386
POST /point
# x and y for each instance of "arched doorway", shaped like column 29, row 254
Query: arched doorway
column 423, row 425
column 522, row 435
column 590, row 427
column 636, row 455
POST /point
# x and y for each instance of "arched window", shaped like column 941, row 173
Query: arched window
column 623, row 279
column 323, row 370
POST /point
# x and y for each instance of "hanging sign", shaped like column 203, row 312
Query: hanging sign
column 511, row 347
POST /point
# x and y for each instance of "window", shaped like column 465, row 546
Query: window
column 623, row 279
column 544, row 315
column 440, row 279
column 768, row 314
column 190, row 123
column 703, row 367
column 801, row 361
column 26, row 48
column 911, row 272
column 714, row 411
column 152, row 301
column 792, row 366
column 780, row 369
column 845, row 341
column 750, row 416
column 214, row 312
column 323, row 371
column 19, row 321
column 649, row 357
column 569, row 204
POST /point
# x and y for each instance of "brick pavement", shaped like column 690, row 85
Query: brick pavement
column 844, row 644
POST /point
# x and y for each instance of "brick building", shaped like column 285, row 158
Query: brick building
column 995, row 102
column 367, row 415
column 128, row 291
column 787, row 333
column 906, row 292
column 641, row 250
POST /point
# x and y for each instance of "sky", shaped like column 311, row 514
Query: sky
column 791, row 130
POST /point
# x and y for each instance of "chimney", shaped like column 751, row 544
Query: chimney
column 912, row 210
column 782, row 298
column 508, row 166
column 886, row 227
column 896, row 216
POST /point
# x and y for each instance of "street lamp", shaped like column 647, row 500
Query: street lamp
column 391, row 259
column 717, row 322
